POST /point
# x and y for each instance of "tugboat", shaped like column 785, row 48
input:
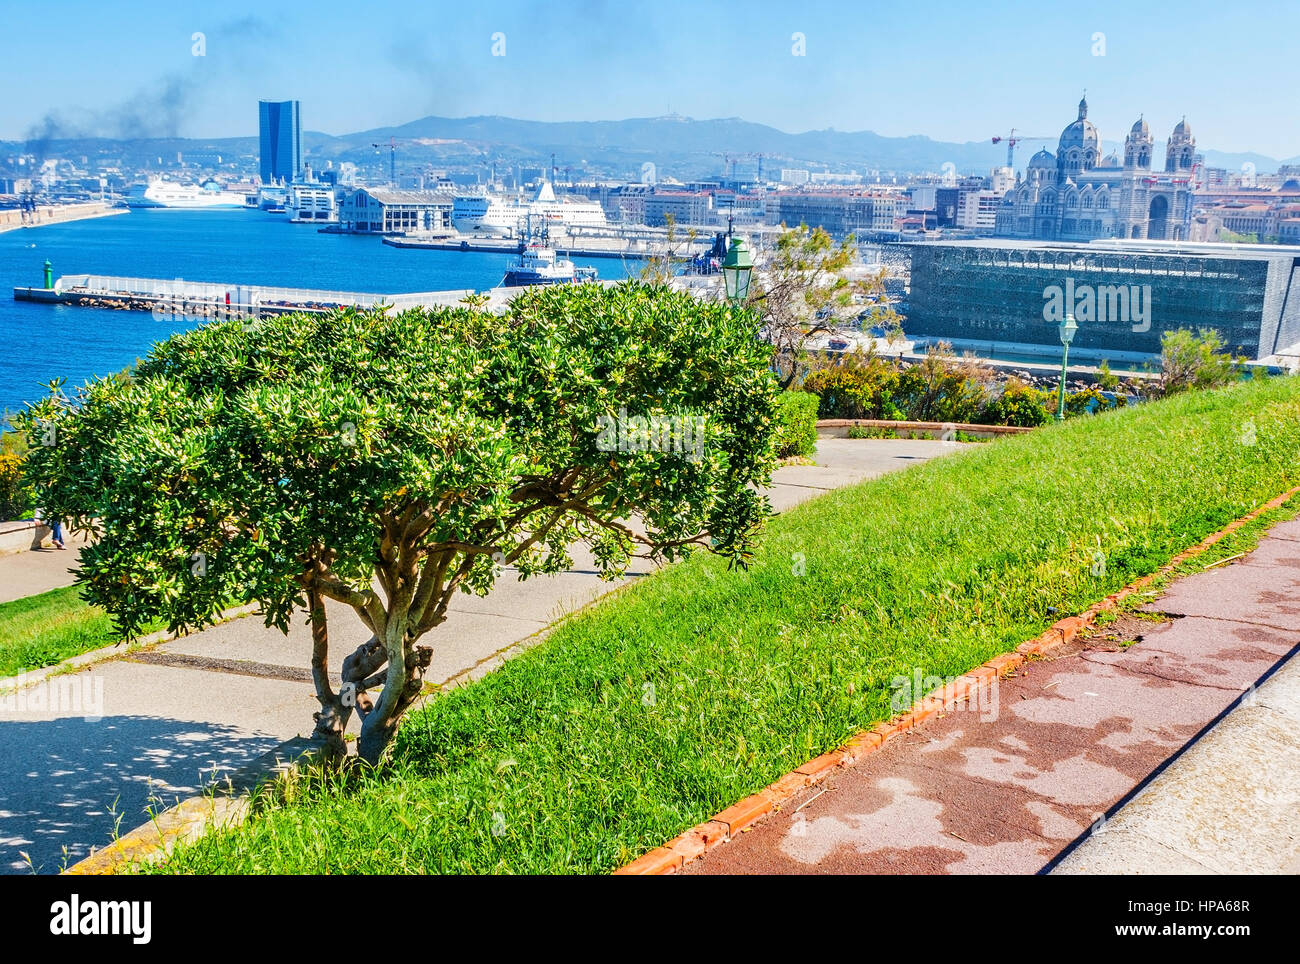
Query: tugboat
column 538, row 264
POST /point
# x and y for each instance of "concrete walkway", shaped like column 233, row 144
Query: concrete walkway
column 176, row 715
column 1007, row 786
column 1229, row 805
column 39, row 570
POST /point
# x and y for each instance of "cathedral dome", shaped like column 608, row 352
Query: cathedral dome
column 1182, row 129
column 1110, row 160
column 1140, row 127
column 1043, row 158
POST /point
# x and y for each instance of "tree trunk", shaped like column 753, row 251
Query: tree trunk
column 332, row 720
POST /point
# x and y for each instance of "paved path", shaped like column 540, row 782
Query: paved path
column 1007, row 787
column 205, row 704
column 1229, row 805
column 38, row 570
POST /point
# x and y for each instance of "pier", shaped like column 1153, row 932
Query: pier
column 11, row 219
column 178, row 296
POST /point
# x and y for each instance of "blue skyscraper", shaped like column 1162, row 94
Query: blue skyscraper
column 281, row 132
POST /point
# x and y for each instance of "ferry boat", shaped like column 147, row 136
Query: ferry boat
column 538, row 265
column 494, row 215
column 161, row 193
column 310, row 202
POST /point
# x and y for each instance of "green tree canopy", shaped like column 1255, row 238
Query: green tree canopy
column 388, row 461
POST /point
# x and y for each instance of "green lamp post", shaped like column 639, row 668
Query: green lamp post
column 1067, row 328
column 49, row 275
column 737, row 268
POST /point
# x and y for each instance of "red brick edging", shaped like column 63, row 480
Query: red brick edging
column 722, row 826
column 969, row 427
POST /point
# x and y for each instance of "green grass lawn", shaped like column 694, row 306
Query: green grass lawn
column 43, row 630
column 659, row 706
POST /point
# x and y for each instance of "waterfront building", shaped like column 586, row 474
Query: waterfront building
column 280, row 131
column 840, row 213
column 684, row 207
column 1124, row 293
column 978, row 210
column 1077, row 195
column 374, row 210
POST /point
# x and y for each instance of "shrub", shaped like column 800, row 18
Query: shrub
column 15, row 496
column 1019, row 404
column 1190, row 360
column 796, row 432
column 1090, row 401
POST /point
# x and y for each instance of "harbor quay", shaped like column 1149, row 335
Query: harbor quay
column 177, row 297
column 11, row 219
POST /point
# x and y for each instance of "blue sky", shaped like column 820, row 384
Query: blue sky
column 948, row 70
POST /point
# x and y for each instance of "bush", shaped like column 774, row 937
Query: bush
column 1190, row 360
column 796, row 432
column 1091, row 401
column 15, row 496
column 1019, row 404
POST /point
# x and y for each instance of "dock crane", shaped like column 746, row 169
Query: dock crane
column 1012, row 140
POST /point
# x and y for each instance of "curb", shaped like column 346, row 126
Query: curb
column 722, row 826
column 194, row 816
column 11, row 684
column 829, row 424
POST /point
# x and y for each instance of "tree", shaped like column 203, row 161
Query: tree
column 806, row 285
column 389, row 461
column 1190, row 361
column 661, row 267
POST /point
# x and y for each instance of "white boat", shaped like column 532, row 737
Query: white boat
column 160, row 193
column 538, row 265
column 495, row 215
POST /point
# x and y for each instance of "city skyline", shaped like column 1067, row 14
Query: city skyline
column 955, row 75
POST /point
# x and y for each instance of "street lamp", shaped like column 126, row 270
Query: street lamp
column 737, row 267
column 1067, row 328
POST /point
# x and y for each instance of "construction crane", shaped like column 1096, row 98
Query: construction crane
column 1012, row 140
column 729, row 163
column 392, row 159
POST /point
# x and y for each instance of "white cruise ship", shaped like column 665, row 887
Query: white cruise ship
column 486, row 214
column 160, row 193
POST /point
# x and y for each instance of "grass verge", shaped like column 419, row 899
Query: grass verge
column 48, row 628
column 656, row 708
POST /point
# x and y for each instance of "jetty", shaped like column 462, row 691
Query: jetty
column 179, row 297
column 11, row 219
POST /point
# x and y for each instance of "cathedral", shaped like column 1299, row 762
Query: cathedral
column 1077, row 195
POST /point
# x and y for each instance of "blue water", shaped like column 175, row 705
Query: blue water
column 41, row 342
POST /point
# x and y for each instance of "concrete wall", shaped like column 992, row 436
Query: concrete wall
column 21, row 536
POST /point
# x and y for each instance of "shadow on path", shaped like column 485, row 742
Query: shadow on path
column 90, row 773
